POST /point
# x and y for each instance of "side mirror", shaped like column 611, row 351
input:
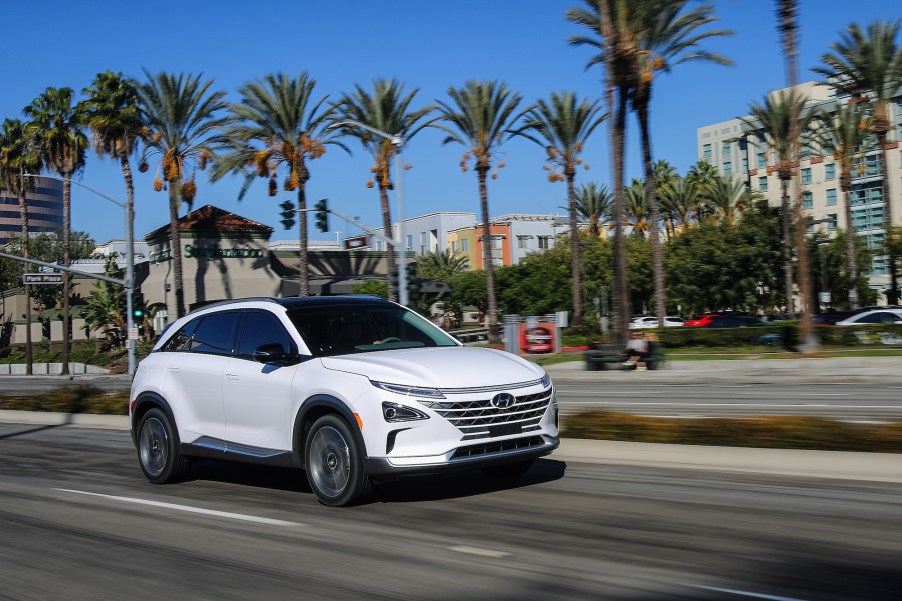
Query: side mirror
column 274, row 353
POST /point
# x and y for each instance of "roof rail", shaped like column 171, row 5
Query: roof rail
column 265, row 299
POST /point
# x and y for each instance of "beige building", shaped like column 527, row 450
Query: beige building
column 739, row 150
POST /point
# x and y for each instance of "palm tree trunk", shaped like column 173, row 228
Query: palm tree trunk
column 67, row 227
column 787, row 244
column 23, row 215
column 804, row 279
column 574, row 251
column 621, row 290
column 402, row 244
column 491, row 316
column 892, row 296
column 851, row 255
column 657, row 257
column 303, row 264
column 175, row 248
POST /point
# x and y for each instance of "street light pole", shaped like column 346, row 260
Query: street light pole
column 397, row 141
column 129, row 258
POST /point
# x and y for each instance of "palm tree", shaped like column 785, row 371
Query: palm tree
column 680, row 204
column 635, row 207
column 870, row 63
column 615, row 27
column 278, row 126
column 777, row 120
column 702, row 174
column 482, row 115
column 18, row 158
column 665, row 173
column 57, row 127
column 180, row 113
column 386, row 109
column 440, row 265
column 726, row 198
column 669, row 37
column 593, row 204
column 846, row 136
column 563, row 125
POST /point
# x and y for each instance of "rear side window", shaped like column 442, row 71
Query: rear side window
column 261, row 327
column 215, row 332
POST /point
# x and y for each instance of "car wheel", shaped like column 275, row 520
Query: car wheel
column 509, row 470
column 334, row 463
column 159, row 451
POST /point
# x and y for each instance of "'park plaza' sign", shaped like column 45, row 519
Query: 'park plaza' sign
column 42, row 278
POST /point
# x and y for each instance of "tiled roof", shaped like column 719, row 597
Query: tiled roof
column 209, row 218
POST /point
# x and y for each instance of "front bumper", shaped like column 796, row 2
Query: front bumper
column 468, row 457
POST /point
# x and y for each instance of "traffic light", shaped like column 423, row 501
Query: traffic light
column 138, row 305
column 322, row 215
column 288, row 214
column 413, row 283
column 393, row 283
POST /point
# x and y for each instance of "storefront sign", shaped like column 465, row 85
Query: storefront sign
column 215, row 252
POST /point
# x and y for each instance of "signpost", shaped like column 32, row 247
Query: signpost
column 42, row 278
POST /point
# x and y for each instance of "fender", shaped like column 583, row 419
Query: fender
column 321, row 401
column 154, row 399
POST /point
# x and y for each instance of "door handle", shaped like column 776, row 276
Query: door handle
column 233, row 377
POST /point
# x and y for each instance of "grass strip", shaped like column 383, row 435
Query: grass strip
column 71, row 399
column 775, row 432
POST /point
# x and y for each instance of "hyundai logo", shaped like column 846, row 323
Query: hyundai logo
column 503, row 400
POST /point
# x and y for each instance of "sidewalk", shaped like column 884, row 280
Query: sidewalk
column 847, row 369
column 874, row 467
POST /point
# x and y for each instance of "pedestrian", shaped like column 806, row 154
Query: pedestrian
column 636, row 352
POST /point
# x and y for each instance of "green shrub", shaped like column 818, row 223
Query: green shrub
column 692, row 337
column 71, row 399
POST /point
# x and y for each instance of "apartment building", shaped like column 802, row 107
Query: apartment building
column 514, row 236
column 738, row 149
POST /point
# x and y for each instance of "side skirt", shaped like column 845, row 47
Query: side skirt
column 206, row 447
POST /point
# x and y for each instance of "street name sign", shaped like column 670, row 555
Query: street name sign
column 42, row 278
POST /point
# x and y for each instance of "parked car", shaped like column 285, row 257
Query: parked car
column 881, row 315
column 350, row 389
column 647, row 321
column 830, row 318
column 734, row 321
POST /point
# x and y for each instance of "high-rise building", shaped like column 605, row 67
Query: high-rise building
column 45, row 209
column 737, row 148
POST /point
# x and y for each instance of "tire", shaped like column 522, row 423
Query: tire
column 159, row 451
column 334, row 463
column 509, row 470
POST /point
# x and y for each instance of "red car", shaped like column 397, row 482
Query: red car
column 702, row 320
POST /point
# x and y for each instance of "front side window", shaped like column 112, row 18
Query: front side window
column 349, row 329
column 261, row 327
column 181, row 339
column 214, row 333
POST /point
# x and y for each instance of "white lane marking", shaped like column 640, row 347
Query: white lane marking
column 187, row 508
column 678, row 404
column 479, row 552
column 744, row 593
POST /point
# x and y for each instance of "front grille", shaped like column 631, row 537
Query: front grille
column 478, row 419
column 500, row 446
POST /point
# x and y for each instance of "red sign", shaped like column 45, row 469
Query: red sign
column 537, row 339
column 355, row 243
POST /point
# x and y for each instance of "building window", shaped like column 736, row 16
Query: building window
column 867, row 218
column 409, row 241
column 464, row 245
column 830, row 171
column 807, row 201
column 544, row 242
column 762, row 183
column 806, row 175
column 745, row 165
column 380, row 245
column 831, row 197
column 727, row 168
column 522, row 241
column 453, row 246
column 762, row 160
column 867, row 167
column 869, row 193
column 725, row 148
column 831, row 221
column 706, row 152
column 497, row 241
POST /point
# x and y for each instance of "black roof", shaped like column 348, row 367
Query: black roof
column 304, row 301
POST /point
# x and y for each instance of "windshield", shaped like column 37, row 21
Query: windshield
column 346, row 329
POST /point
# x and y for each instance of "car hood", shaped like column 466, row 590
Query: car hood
column 438, row 367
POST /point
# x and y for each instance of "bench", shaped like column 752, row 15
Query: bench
column 609, row 356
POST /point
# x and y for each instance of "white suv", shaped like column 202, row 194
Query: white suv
column 349, row 388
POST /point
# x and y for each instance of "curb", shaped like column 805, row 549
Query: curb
column 842, row 465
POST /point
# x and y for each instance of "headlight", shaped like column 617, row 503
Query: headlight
column 426, row 393
column 393, row 412
column 546, row 381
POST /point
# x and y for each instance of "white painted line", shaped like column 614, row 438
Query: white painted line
column 187, row 508
column 744, row 593
column 679, row 404
column 479, row 552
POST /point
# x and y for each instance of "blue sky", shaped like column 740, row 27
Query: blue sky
column 424, row 44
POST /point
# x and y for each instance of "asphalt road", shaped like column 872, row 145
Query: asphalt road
column 78, row 521
column 847, row 401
